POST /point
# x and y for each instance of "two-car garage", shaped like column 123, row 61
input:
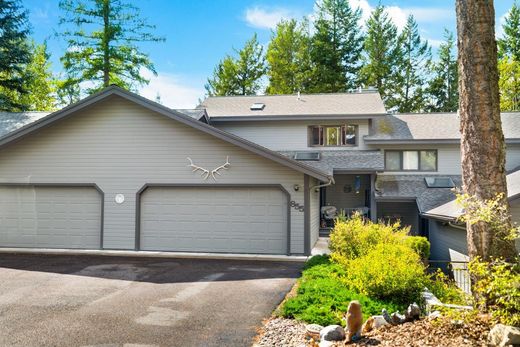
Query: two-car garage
column 171, row 218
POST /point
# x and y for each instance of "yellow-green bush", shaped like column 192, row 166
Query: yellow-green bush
column 357, row 236
column 498, row 289
column 420, row 245
column 390, row 271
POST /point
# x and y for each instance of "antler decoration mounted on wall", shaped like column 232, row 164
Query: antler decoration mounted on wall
column 205, row 173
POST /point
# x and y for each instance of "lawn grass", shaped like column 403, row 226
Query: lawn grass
column 322, row 297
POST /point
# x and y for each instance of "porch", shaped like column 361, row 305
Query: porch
column 351, row 193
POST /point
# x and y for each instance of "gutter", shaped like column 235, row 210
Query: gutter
column 331, row 182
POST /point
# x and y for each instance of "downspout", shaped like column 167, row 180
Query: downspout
column 331, row 182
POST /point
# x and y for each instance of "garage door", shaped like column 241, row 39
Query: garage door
column 50, row 217
column 206, row 219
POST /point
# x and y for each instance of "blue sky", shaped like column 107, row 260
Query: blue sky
column 200, row 32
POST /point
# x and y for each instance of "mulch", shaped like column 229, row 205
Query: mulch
column 422, row 333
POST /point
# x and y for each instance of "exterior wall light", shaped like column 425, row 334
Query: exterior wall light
column 296, row 187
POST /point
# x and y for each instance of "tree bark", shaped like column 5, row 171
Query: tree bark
column 482, row 142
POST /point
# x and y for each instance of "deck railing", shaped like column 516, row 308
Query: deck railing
column 456, row 270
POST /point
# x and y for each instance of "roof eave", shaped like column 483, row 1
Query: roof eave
column 425, row 141
column 217, row 119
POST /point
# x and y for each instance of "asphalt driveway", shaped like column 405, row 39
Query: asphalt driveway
column 115, row 301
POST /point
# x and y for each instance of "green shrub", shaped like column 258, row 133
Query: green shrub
column 420, row 245
column 358, row 236
column 498, row 289
column 322, row 296
column 446, row 290
column 388, row 272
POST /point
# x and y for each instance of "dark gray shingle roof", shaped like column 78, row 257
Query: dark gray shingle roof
column 414, row 187
column 451, row 210
column 10, row 121
column 193, row 113
column 364, row 103
column 432, row 126
column 345, row 160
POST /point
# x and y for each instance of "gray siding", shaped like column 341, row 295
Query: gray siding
column 287, row 135
column 121, row 146
column 406, row 212
column 446, row 242
column 449, row 158
column 315, row 213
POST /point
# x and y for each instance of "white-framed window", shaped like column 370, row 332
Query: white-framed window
column 411, row 160
column 333, row 135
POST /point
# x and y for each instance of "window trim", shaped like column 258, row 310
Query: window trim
column 322, row 132
column 400, row 151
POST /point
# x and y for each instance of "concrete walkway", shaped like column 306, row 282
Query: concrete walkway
column 321, row 246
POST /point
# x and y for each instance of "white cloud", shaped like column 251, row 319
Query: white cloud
column 173, row 90
column 435, row 43
column 267, row 18
column 399, row 15
column 499, row 25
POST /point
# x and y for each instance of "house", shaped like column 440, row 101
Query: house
column 244, row 174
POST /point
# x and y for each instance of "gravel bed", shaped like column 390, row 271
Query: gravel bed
column 281, row 332
column 422, row 333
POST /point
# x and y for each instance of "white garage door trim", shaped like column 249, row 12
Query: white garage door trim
column 189, row 185
column 69, row 185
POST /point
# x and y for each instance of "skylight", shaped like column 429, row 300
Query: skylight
column 439, row 182
column 257, row 106
column 310, row 156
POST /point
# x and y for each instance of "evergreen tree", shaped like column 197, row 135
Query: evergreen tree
column 103, row 38
column 408, row 83
column 509, row 61
column 382, row 53
column 288, row 58
column 442, row 89
column 40, row 81
column 241, row 75
column 336, row 47
column 14, row 54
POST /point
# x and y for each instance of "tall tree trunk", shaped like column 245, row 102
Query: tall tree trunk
column 482, row 142
column 106, row 43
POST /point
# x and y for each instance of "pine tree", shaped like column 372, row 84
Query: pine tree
column 241, row 75
column 103, row 38
column 382, row 52
column 336, row 47
column 408, row 85
column 288, row 58
column 40, row 81
column 14, row 54
column 509, row 61
column 442, row 89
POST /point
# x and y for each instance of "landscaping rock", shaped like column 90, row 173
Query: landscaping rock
column 434, row 315
column 332, row 333
column 313, row 331
column 397, row 318
column 504, row 335
column 386, row 316
column 374, row 322
column 413, row 312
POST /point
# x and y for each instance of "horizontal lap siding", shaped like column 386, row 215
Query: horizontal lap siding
column 449, row 158
column 121, row 146
column 288, row 135
column 447, row 243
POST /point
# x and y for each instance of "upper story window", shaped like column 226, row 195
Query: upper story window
column 416, row 160
column 333, row 135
